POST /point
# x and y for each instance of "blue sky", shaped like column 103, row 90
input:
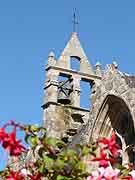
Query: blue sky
column 29, row 29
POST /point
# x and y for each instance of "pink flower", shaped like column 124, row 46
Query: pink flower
column 132, row 173
column 111, row 173
column 24, row 172
column 104, row 174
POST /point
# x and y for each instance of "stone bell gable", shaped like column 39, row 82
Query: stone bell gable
column 74, row 49
column 62, row 114
column 112, row 100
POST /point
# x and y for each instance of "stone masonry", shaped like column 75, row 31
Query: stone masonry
column 112, row 101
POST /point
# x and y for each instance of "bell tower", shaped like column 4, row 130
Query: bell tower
column 62, row 114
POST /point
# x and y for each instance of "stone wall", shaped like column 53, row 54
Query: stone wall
column 112, row 109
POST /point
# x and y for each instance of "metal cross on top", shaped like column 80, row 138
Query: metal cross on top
column 75, row 21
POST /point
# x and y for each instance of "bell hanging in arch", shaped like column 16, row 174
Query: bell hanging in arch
column 63, row 98
column 64, row 90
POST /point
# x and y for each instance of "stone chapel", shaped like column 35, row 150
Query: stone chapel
column 112, row 98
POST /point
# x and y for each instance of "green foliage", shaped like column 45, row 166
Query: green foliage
column 50, row 157
column 55, row 160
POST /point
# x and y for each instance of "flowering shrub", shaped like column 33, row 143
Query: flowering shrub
column 51, row 158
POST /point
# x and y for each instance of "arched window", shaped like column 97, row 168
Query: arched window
column 85, row 94
column 75, row 63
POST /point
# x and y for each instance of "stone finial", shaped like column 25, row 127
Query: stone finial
column 98, row 69
column 51, row 59
column 115, row 64
column 51, row 54
column 98, row 64
column 112, row 67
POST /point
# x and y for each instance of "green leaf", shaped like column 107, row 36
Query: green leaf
column 34, row 128
column 81, row 166
column 27, row 136
column 55, row 142
column 33, row 141
column 124, row 172
column 59, row 164
column 71, row 152
column 41, row 168
column 85, row 151
column 51, row 141
column 49, row 162
column 60, row 177
column 1, row 172
column 60, row 144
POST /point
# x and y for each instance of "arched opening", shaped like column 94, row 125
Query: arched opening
column 75, row 63
column 114, row 115
column 86, row 89
column 65, row 88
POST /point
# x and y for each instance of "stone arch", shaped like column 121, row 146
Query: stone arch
column 75, row 63
column 115, row 115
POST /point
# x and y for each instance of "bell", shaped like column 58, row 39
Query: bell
column 64, row 91
column 63, row 98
